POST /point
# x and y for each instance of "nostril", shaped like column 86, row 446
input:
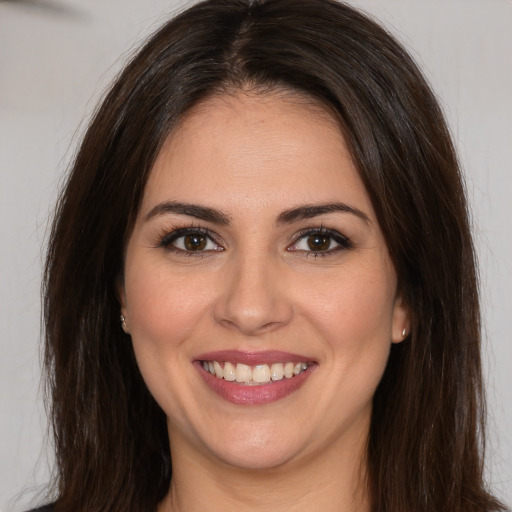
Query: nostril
column 253, row 298
column 253, row 320
column 248, row 327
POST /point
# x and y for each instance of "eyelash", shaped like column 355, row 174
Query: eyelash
column 343, row 242
column 168, row 238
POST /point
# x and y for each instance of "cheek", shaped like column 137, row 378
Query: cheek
column 164, row 310
column 354, row 316
column 355, row 307
column 163, row 307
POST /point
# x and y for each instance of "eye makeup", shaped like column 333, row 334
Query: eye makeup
column 321, row 241
column 189, row 241
column 195, row 240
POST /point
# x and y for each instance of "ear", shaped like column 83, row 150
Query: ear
column 401, row 327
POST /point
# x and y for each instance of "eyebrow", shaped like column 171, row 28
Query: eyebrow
column 191, row 210
column 307, row 211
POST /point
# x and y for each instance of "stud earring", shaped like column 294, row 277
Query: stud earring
column 404, row 333
column 123, row 323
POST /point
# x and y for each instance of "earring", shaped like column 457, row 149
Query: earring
column 123, row 323
column 404, row 333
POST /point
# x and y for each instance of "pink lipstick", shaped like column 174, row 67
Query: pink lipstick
column 253, row 378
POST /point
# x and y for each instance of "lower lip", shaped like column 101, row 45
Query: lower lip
column 242, row 394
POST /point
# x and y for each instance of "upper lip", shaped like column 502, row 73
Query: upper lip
column 252, row 358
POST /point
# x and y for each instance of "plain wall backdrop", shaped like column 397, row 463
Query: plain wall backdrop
column 56, row 58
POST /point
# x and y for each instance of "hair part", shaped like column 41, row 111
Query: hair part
column 425, row 447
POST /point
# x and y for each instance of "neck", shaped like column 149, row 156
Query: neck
column 332, row 481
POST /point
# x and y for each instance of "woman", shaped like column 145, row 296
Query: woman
column 260, row 286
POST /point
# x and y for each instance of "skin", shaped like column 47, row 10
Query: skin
column 258, row 286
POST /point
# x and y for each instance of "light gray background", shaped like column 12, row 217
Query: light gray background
column 54, row 64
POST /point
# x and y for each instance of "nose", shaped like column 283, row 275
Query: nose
column 253, row 298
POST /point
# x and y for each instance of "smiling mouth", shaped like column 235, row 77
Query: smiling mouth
column 256, row 375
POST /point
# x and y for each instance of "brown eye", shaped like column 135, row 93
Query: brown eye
column 188, row 241
column 319, row 242
column 195, row 242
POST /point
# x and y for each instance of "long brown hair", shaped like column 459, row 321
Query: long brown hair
column 425, row 447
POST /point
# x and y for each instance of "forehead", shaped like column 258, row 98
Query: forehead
column 254, row 149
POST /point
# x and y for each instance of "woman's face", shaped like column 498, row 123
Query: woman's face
column 256, row 255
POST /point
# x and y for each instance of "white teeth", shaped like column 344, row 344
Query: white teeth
column 219, row 372
column 229, row 372
column 243, row 373
column 253, row 375
column 261, row 373
column 288, row 370
column 276, row 371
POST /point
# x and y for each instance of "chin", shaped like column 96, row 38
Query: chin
column 256, row 459
column 255, row 449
